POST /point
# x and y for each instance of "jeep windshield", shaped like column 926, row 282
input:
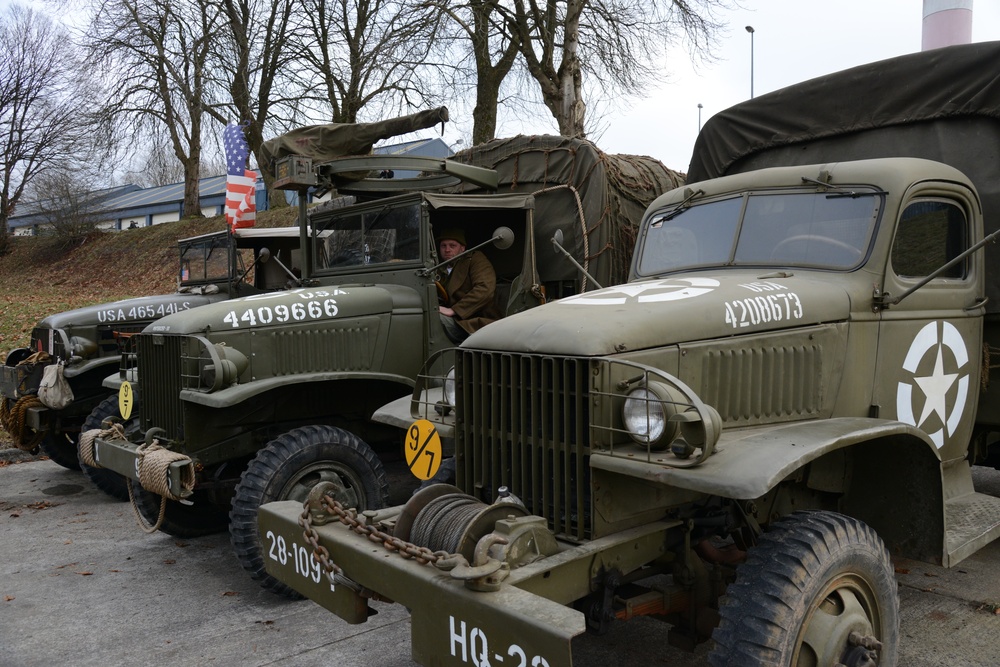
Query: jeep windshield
column 205, row 259
column 815, row 230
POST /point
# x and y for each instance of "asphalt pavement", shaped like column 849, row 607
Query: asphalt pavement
column 81, row 584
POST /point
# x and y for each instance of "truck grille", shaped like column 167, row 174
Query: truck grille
column 523, row 422
column 159, row 364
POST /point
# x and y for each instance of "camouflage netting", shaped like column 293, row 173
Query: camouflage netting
column 568, row 176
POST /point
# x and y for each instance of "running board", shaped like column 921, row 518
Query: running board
column 972, row 520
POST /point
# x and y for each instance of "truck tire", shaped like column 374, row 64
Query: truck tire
column 201, row 517
column 812, row 579
column 61, row 449
column 287, row 469
column 106, row 480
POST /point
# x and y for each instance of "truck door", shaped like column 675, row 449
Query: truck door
column 927, row 370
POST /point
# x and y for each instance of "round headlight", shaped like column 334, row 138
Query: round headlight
column 449, row 387
column 647, row 413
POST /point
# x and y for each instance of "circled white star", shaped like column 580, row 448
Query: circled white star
column 936, row 386
column 650, row 291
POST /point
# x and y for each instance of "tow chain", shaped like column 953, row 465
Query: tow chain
column 349, row 517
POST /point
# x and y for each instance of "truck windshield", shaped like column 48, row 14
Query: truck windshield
column 373, row 236
column 821, row 230
column 205, row 260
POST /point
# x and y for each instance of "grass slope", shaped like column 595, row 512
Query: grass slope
column 39, row 278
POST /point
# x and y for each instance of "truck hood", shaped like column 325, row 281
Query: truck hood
column 141, row 309
column 653, row 313
column 305, row 305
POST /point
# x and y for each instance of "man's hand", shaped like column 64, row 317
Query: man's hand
column 446, row 311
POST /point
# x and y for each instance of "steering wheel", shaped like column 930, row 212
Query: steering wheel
column 442, row 293
column 846, row 249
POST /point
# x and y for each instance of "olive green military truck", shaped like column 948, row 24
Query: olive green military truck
column 85, row 343
column 257, row 399
column 793, row 385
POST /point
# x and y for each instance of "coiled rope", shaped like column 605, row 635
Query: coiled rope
column 14, row 422
column 152, row 466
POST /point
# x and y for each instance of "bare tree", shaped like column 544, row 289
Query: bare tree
column 42, row 123
column 252, row 64
column 63, row 208
column 620, row 42
column 481, row 32
column 366, row 54
column 157, row 52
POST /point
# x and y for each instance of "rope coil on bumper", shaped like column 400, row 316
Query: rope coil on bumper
column 13, row 419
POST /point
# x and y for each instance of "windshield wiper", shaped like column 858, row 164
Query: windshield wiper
column 843, row 192
column 683, row 206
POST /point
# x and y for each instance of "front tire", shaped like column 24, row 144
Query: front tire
column 287, row 469
column 812, row 580
column 106, row 480
column 61, row 449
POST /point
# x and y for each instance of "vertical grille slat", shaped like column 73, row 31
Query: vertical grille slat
column 523, row 422
column 159, row 364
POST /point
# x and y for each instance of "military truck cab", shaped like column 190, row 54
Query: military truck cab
column 792, row 385
column 86, row 341
column 257, row 399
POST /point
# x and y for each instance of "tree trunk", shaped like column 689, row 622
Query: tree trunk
column 570, row 109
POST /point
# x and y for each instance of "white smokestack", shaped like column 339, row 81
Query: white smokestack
column 946, row 23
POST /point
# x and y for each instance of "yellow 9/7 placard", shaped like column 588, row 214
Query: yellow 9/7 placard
column 126, row 399
column 423, row 449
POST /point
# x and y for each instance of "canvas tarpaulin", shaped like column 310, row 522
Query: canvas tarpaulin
column 596, row 199
column 327, row 142
column 941, row 105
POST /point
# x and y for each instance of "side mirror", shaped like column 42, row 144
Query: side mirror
column 557, row 244
column 503, row 238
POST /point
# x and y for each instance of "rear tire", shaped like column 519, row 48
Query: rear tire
column 106, row 480
column 61, row 449
column 287, row 469
column 812, row 580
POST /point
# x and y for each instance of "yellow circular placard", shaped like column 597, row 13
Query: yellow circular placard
column 423, row 449
column 126, row 399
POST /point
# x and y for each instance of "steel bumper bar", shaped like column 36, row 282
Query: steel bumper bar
column 451, row 624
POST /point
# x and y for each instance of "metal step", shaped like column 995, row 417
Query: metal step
column 972, row 521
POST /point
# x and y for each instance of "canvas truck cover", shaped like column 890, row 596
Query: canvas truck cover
column 942, row 105
column 596, row 199
column 327, row 142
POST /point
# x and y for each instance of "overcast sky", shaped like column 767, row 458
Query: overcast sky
column 794, row 40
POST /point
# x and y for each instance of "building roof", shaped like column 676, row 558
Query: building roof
column 131, row 201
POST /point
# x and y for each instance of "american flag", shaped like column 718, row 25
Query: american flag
column 241, row 183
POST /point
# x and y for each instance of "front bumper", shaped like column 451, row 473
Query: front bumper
column 450, row 624
column 123, row 457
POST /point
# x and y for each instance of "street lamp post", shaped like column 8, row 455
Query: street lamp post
column 699, row 116
column 750, row 30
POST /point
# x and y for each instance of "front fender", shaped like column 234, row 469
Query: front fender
column 239, row 393
column 750, row 462
column 91, row 365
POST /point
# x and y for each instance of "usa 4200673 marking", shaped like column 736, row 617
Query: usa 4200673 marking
column 762, row 309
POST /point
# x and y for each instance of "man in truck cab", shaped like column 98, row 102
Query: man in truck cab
column 468, row 285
